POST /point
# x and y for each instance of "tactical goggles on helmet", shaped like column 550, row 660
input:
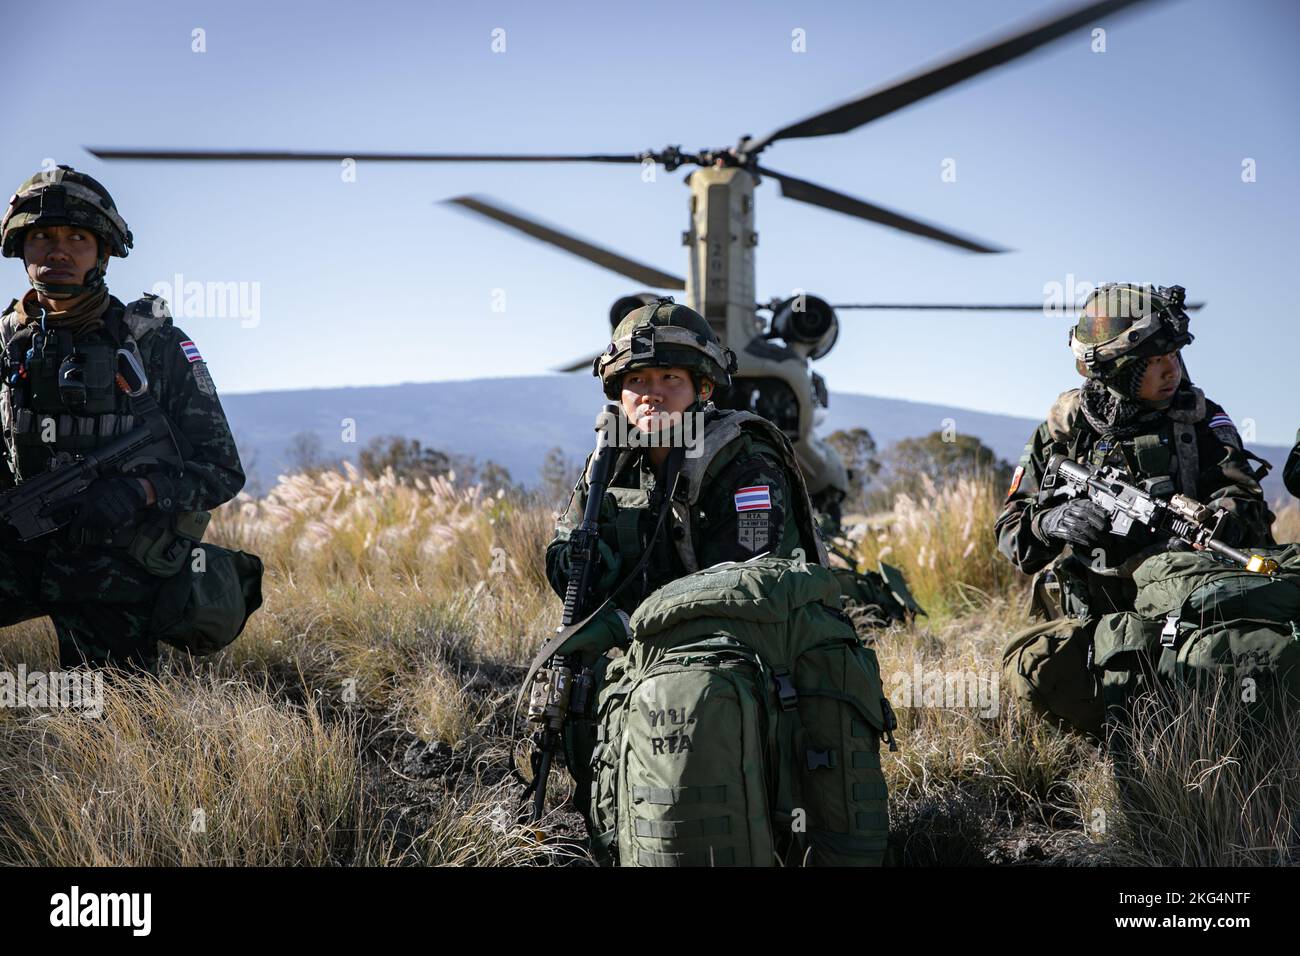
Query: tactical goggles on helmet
column 1158, row 332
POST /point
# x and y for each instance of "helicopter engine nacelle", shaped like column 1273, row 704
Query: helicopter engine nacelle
column 807, row 324
column 622, row 306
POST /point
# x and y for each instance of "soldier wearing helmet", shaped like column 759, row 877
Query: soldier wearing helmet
column 1138, row 411
column 62, row 396
column 692, row 486
column 739, row 491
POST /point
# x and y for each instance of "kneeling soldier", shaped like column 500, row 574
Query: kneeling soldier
column 70, row 353
column 1138, row 412
column 742, row 725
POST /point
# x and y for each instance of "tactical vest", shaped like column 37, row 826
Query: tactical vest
column 721, row 430
column 1169, row 451
column 43, row 418
column 59, row 401
column 1166, row 459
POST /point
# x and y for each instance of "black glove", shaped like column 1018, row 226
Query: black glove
column 108, row 504
column 1079, row 522
column 608, row 565
column 1231, row 530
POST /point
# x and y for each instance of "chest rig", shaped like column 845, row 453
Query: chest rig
column 61, row 398
column 1163, row 460
column 1166, row 457
column 636, row 505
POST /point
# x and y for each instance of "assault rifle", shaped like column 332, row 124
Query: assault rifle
column 1128, row 506
column 564, row 686
column 32, row 509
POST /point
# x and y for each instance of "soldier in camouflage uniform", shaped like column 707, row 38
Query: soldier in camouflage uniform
column 741, row 496
column 1137, row 411
column 99, row 577
column 739, row 491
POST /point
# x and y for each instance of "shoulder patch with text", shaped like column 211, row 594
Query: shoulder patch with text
column 203, row 379
column 753, row 531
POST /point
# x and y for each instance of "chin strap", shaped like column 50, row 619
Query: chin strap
column 92, row 282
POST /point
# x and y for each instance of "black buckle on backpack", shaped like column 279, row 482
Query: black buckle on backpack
column 1169, row 633
column 891, row 723
column 887, row 712
column 822, row 758
column 785, row 691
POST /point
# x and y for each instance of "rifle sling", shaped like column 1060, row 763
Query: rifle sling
column 672, row 472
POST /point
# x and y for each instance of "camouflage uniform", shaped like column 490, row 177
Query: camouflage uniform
column 744, row 492
column 1192, row 442
column 1225, row 478
column 747, row 469
column 742, row 495
column 101, row 588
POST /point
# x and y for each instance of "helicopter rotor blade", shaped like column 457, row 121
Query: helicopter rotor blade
column 872, row 106
column 803, row 191
column 580, row 365
column 629, row 268
column 954, row 307
column 260, row 156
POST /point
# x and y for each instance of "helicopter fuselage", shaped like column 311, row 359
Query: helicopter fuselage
column 773, row 380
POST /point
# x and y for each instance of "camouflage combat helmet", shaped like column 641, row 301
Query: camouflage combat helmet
column 1123, row 323
column 65, row 197
column 664, row 334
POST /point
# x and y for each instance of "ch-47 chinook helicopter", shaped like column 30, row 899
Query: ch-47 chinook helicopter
column 774, row 378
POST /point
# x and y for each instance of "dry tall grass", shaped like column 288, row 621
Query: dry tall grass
column 177, row 773
column 404, row 611
column 1204, row 783
column 389, row 590
column 218, row 773
column 943, row 542
column 970, row 787
column 386, row 604
column 973, row 783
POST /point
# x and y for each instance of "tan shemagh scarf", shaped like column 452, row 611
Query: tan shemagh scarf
column 85, row 316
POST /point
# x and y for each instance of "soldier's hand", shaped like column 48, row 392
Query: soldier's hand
column 609, row 564
column 1080, row 522
column 108, row 504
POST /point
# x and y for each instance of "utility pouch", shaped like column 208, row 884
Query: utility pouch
column 162, row 546
column 202, row 609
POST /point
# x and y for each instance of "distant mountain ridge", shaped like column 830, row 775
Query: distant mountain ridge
column 515, row 421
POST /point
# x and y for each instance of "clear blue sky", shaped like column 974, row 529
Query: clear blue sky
column 1122, row 165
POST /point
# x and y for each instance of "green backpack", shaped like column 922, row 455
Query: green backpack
column 1199, row 618
column 742, row 728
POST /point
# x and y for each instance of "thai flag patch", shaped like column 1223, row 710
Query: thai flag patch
column 191, row 351
column 754, row 498
column 1221, row 420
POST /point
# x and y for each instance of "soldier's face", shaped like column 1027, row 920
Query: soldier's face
column 651, row 395
column 1161, row 379
column 61, row 255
